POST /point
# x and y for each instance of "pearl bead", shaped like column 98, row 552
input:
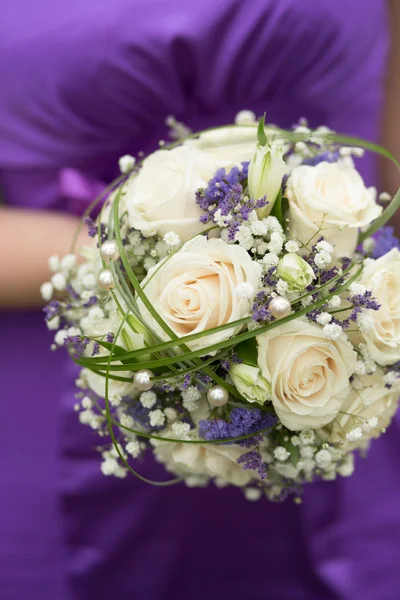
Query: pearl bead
column 105, row 279
column 142, row 380
column 279, row 307
column 218, row 396
column 109, row 250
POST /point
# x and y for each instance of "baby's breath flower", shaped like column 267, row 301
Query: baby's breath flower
column 148, row 399
column 357, row 289
column 332, row 331
column 292, row 246
column 59, row 282
column 170, row 413
column 245, row 290
column 270, row 260
column 307, row 436
column 335, row 302
column 323, row 458
column 281, row 453
column 181, row 430
column 355, row 434
column 324, row 246
column 157, row 418
column 54, row 263
column 133, row 448
column 46, row 291
column 324, row 318
column 172, row 239
column 126, row 163
column 245, row 117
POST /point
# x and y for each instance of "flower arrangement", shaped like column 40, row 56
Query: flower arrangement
column 238, row 313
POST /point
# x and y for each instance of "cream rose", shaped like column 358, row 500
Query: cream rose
column 332, row 196
column 195, row 290
column 229, row 145
column 370, row 406
column 309, row 374
column 161, row 197
column 208, row 460
column 382, row 277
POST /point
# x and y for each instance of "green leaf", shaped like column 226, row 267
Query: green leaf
column 262, row 138
column 247, row 352
column 294, row 453
column 279, row 209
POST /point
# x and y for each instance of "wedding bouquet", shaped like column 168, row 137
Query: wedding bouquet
column 238, row 313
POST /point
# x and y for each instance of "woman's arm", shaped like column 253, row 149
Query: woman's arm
column 390, row 177
column 27, row 239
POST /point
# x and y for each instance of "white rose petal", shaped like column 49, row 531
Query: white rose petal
column 382, row 277
column 161, row 197
column 208, row 460
column 195, row 290
column 228, row 146
column 369, row 402
column 309, row 375
column 332, row 196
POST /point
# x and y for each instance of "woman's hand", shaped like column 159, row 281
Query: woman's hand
column 27, row 240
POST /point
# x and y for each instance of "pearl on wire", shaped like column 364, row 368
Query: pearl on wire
column 217, row 396
column 280, row 307
column 105, row 280
column 142, row 380
column 109, row 250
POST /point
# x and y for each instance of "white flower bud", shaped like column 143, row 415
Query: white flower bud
column 250, row 383
column 266, row 171
column 295, row 271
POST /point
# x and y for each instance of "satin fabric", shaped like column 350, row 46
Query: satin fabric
column 83, row 83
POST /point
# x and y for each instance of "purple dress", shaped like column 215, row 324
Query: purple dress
column 83, row 82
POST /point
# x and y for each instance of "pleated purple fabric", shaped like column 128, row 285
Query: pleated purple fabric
column 82, row 83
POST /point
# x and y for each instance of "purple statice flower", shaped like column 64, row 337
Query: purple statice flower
column 78, row 343
column 224, row 193
column 365, row 300
column 92, row 227
column 96, row 349
column 242, row 422
column 329, row 156
column 270, row 277
column 252, row 460
column 92, row 300
column 226, row 365
column 215, row 429
column 235, row 358
column 140, row 414
column 51, row 310
column 186, row 381
column 385, row 240
column 93, row 230
column 346, row 262
column 260, row 311
column 206, row 379
column 103, row 234
column 110, row 337
column 74, row 295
